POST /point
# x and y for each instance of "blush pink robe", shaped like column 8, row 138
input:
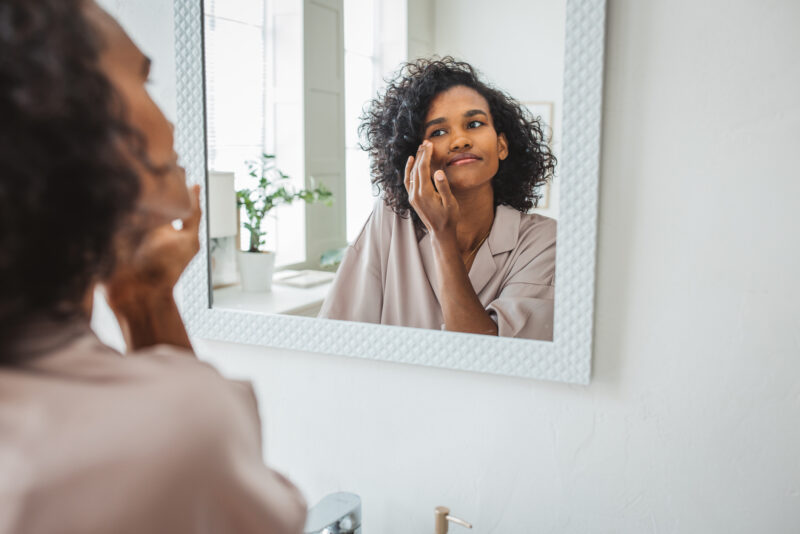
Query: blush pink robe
column 152, row 442
column 388, row 275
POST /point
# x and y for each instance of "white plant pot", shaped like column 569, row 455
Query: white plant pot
column 256, row 270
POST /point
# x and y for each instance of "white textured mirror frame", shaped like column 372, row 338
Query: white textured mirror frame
column 566, row 359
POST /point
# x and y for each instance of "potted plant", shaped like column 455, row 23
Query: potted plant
column 256, row 265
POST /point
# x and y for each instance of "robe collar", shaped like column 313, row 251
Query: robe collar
column 502, row 238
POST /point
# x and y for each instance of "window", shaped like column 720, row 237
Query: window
column 255, row 104
column 361, row 83
column 244, row 103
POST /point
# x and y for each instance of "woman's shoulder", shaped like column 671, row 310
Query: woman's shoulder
column 165, row 360
column 378, row 227
column 168, row 382
column 182, row 376
column 384, row 215
column 156, row 366
column 181, row 402
column 539, row 226
column 534, row 248
column 531, row 228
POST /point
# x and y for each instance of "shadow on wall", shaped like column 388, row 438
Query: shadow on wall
column 622, row 148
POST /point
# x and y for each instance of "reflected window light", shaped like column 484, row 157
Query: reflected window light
column 361, row 64
column 240, row 107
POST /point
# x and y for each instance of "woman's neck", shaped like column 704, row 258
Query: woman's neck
column 477, row 215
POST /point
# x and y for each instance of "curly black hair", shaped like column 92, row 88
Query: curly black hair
column 66, row 179
column 392, row 128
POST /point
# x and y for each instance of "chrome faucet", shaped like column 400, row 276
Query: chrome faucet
column 337, row 513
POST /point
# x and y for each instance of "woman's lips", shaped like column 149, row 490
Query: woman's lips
column 463, row 160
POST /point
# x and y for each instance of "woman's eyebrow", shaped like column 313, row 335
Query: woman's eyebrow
column 434, row 121
column 473, row 112
column 470, row 113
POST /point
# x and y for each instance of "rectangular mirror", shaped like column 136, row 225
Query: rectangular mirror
column 317, row 237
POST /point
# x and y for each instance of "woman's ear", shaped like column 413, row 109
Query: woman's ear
column 502, row 146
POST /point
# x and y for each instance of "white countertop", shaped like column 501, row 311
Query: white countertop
column 281, row 299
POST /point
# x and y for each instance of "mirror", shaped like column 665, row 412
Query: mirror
column 307, row 143
column 287, row 85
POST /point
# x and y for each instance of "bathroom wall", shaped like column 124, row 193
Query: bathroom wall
column 691, row 421
column 517, row 44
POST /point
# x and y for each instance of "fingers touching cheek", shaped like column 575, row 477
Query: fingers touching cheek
column 165, row 197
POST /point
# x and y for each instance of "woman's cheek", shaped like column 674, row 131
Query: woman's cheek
column 437, row 163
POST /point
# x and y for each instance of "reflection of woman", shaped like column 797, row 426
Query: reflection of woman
column 451, row 244
column 91, row 441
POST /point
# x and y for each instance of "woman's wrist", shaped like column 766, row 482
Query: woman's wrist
column 445, row 238
column 149, row 317
column 133, row 298
column 139, row 313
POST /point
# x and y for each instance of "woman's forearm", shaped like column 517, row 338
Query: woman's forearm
column 150, row 318
column 462, row 310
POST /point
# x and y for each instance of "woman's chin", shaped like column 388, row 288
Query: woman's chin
column 459, row 183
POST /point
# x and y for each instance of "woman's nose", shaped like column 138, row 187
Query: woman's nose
column 460, row 142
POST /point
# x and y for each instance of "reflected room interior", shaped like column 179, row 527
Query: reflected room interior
column 289, row 185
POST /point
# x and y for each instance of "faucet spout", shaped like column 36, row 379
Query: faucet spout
column 337, row 513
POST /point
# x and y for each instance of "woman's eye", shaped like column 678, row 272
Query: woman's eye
column 437, row 133
column 474, row 124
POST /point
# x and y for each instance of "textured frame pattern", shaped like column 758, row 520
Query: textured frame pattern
column 566, row 359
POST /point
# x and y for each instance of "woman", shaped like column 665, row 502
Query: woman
column 451, row 244
column 91, row 441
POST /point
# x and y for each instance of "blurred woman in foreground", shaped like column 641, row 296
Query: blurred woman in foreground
column 90, row 440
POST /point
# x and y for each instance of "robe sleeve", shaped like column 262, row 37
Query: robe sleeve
column 357, row 290
column 524, row 306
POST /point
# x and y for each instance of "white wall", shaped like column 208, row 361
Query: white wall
column 691, row 421
column 421, row 22
column 517, row 44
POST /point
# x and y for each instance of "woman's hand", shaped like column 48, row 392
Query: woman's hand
column 156, row 264
column 139, row 291
column 436, row 207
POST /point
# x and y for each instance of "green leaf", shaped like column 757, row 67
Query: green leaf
column 333, row 257
column 271, row 192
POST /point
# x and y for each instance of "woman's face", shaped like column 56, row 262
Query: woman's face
column 465, row 144
column 164, row 196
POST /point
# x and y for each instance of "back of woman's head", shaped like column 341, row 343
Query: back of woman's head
column 65, row 181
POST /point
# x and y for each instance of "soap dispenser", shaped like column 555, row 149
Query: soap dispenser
column 443, row 519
